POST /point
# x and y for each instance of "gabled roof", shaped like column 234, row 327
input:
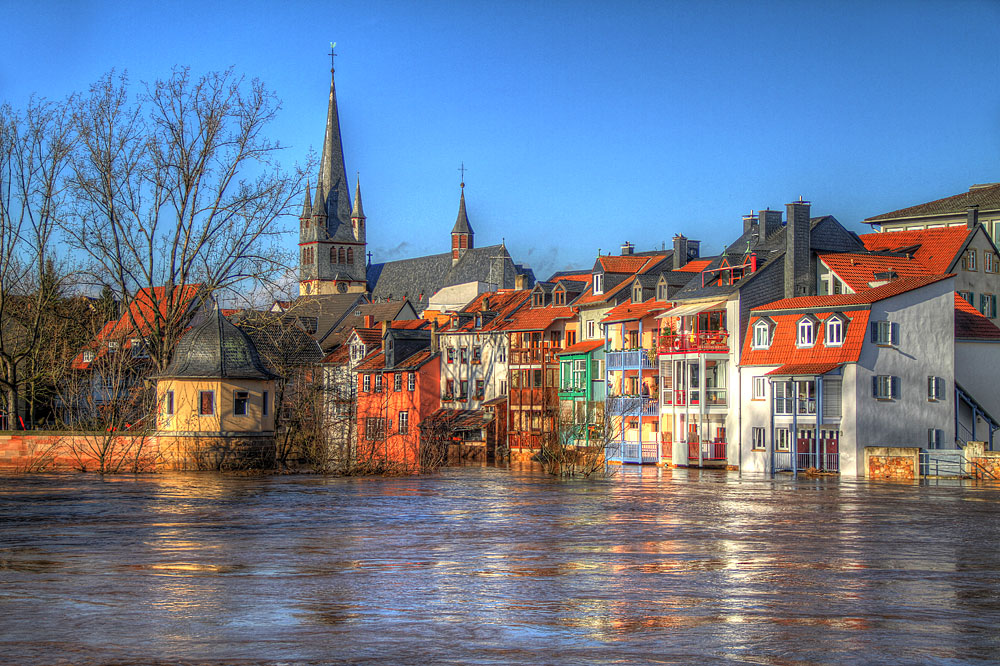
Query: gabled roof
column 784, row 350
column 629, row 311
column 867, row 297
column 147, row 305
column 642, row 265
column 355, row 318
column 858, row 270
column 501, row 305
column 584, row 347
column 803, row 369
column 987, row 197
column 537, row 319
column 627, row 264
column 694, row 266
column 936, row 249
column 376, row 361
column 970, row 324
column 279, row 343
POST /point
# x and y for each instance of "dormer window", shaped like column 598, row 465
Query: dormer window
column 806, row 335
column 835, row 331
column 559, row 298
column 88, row 356
column 761, row 335
column 637, row 294
column 599, row 283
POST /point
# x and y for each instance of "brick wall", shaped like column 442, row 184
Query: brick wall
column 898, row 463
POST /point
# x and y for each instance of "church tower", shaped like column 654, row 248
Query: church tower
column 331, row 246
column 461, row 234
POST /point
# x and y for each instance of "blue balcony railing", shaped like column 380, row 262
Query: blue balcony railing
column 635, row 359
column 632, row 405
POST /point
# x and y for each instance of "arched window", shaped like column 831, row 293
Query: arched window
column 806, row 333
column 834, row 331
column 350, row 255
column 340, row 255
column 761, row 335
column 333, row 255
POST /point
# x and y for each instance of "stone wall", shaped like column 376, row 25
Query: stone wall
column 983, row 464
column 36, row 451
column 898, row 463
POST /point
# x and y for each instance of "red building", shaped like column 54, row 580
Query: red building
column 398, row 387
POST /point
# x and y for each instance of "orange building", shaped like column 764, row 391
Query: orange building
column 398, row 387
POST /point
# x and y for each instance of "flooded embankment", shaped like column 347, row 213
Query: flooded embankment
column 491, row 566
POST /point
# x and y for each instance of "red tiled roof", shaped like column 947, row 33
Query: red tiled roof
column 586, row 277
column 502, row 302
column 629, row 311
column 376, row 361
column 695, row 266
column 785, row 351
column 938, row 247
column 340, row 355
column 804, row 369
column 582, row 347
column 867, row 297
column 626, row 264
column 858, row 270
column 986, row 197
column 970, row 324
column 537, row 319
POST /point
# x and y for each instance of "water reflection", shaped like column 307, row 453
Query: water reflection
column 479, row 565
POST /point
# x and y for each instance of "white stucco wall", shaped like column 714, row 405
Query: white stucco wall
column 492, row 370
column 977, row 369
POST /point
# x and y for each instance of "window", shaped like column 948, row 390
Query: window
column 112, row 346
column 834, row 332
column 378, row 383
column 782, row 440
column 404, row 423
column 449, row 389
column 307, row 255
column 570, row 338
column 885, row 387
column 480, row 387
column 935, row 438
column 757, row 441
column 782, row 393
column 450, row 355
column 759, row 388
column 637, row 293
column 341, row 256
column 240, row 400
column 967, row 295
column 969, row 260
column 463, row 389
column 168, row 402
column 374, row 428
column 88, row 356
column 264, row 399
column 411, row 381
column 806, row 333
column 661, row 292
column 559, row 298
column 139, row 349
column 350, row 255
column 502, row 353
column 761, row 335
column 477, row 354
column 206, row 403
column 503, row 387
column 989, row 262
column 988, row 305
column 397, row 382
column 599, row 283
column 333, row 255
column 935, row 389
column 885, row 333
column 463, row 355
column 591, row 326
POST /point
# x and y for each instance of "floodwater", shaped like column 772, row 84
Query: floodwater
column 493, row 566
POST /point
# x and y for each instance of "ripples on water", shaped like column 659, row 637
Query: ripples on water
column 486, row 566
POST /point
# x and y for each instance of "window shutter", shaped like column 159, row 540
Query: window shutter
column 930, row 438
column 874, row 386
column 930, row 388
column 939, row 388
column 894, row 333
column 874, row 327
column 993, row 305
column 895, row 387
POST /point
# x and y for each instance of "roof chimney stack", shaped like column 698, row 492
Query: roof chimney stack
column 797, row 252
column 680, row 251
column 627, row 249
column 769, row 220
column 749, row 222
column 971, row 216
column 369, row 321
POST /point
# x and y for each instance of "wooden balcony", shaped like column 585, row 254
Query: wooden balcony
column 708, row 342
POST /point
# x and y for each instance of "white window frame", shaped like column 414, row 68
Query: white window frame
column 758, row 439
column 404, row 423
column 970, row 259
column 88, row 355
column 411, row 381
column 834, row 336
column 785, row 393
column 885, row 333
column 366, row 383
column 759, row 391
column 378, row 383
column 782, row 439
column 885, row 387
column 591, row 329
column 805, row 332
column 761, row 335
column 935, row 438
column 598, row 283
column 935, row 389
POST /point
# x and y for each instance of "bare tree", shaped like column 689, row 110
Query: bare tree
column 179, row 186
column 35, row 148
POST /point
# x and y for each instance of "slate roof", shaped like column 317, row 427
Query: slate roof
column 375, row 362
column 858, row 270
column 456, row 420
column 987, row 197
column 936, row 249
column 419, row 278
column 784, row 350
column 216, row 349
column 355, row 318
column 867, row 297
column 462, row 225
column 970, row 324
column 584, row 347
column 279, row 343
column 328, row 309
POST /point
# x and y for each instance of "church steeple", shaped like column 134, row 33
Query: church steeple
column 358, row 214
column 332, row 174
column 461, row 234
column 307, row 204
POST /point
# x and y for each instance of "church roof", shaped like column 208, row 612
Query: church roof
column 332, row 185
column 419, row 278
column 216, row 348
column 462, row 222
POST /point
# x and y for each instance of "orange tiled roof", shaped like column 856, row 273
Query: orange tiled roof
column 784, row 350
column 858, row 270
column 586, row 277
column 867, row 297
column 804, row 369
column 537, row 319
column 938, row 247
column 696, row 266
column 626, row 264
column 375, row 361
column 970, row 324
column 582, row 347
column 629, row 311
column 502, row 302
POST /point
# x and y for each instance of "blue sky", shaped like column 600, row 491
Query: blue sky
column 581, row 124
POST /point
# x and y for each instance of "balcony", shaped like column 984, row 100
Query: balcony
column 713, row 397
column 706, row 342
column 634, row 359
column 632, row 405
column 709, row 450
column 638, row 453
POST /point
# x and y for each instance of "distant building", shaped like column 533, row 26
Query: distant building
column 983, row 201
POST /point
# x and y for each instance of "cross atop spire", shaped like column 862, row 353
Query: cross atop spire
column 333, row 54
column 462, row 169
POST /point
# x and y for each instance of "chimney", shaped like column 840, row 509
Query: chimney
column 971, row 216
column 749, row 222
column 435, row 345
column 521, row 281
column 485, row 305
column 769, row 221
column 680, row 251
column 369, row 321
column 797, row 252
column 385, row 333
column 627, row 248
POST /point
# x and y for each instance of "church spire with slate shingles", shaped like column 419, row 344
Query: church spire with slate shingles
column 461, row 234
column 332, row 174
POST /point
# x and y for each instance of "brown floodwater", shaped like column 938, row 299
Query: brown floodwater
column 482, row 565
